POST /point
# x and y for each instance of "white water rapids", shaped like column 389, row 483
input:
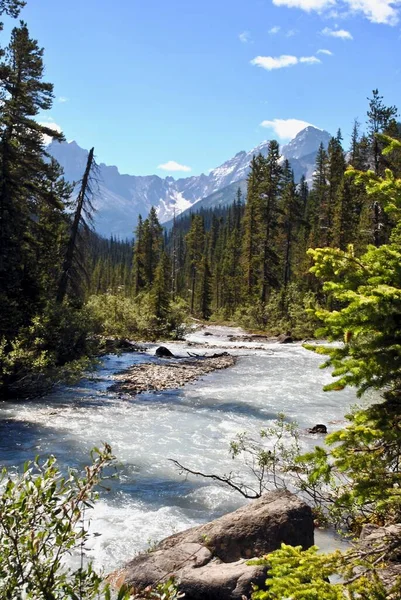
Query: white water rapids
column 194, row 424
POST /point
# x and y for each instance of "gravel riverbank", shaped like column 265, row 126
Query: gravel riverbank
column 172, row 374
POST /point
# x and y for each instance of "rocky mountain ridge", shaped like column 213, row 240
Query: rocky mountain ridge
column 120, row 198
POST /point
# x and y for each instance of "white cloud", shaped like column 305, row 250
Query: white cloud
column 274, row 29
column 62, row 99
column 323, row 51
column 307, row 5
column 310, row 60
column 269, row 62
column 291, row 32
column 50, row 124
column 245, row 37
column 285, row 129
column 376, row 11
column 279, row 62
column 337, row 33
column 172, row 165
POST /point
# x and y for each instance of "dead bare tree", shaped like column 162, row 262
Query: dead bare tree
column 73, row 270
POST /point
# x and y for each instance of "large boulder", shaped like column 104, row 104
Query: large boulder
column 210, row 561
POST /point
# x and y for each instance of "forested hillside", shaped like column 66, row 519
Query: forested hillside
column 247, row 262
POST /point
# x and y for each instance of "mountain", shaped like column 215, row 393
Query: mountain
column 120, row 198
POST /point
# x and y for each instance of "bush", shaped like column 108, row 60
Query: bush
column 56, row 347
column 121, row 316
column 288, row 310
column 42, row 520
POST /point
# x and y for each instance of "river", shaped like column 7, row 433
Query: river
column 194, row 424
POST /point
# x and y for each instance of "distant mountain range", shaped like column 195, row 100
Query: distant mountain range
column 121, row 198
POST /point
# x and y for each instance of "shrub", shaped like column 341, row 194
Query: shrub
column 42, row 520
column 56, row 347
column 121, row 316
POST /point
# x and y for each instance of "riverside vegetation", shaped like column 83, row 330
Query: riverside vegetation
column 63, row 288
column 248, row 263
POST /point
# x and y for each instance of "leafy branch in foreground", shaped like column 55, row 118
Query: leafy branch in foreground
column 42, row 521
column 305, row 575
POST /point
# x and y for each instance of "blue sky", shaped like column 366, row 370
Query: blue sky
column 152, row 83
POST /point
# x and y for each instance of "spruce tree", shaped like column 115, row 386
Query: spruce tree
column 204, row 293
column 252, row 237
column 269, row 194
column 291, row 213
column 11, row 7
column 195, row 249
column 24, row 167
column 380, row 118
column 152, row 242
column 160, row 292
column 138, row 259
column 319, row 201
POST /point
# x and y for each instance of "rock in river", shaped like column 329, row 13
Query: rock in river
column 210, row 561
column 163, row 352
column 319, row 428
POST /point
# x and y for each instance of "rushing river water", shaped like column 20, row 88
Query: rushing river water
column 194, row 424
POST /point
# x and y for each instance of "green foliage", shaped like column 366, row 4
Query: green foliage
column 288, row 310
column 42, row 521
column 267, row 458
column 56, row 347
column 367, row 291
column 11, row 7
column 116, row 315
column 299, row 574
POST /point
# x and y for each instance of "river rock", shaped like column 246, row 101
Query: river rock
column 284, row 338
column 163, row 352
column 210, row 561
column 318, row 428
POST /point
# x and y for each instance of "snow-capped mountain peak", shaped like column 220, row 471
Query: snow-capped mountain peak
column 121, row 198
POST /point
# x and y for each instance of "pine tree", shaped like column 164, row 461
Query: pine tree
column 380, row 118
column 252, row 229
column 195, row 248
column 291, row 214
column 11, row 7
column 270, row 189
column 335, row 176
column 152, row 242
column 204, row 294
column 160, row 292
column 319, row 201
column 138, row 260
column 23, row 170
